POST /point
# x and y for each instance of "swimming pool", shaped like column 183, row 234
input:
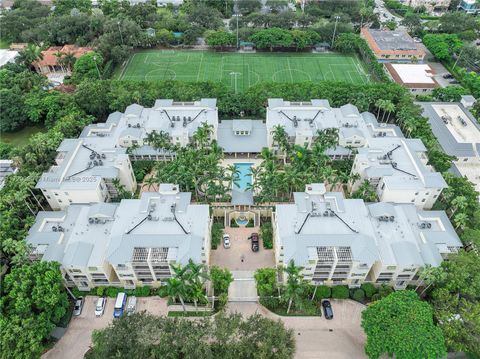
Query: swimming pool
column 244, row 175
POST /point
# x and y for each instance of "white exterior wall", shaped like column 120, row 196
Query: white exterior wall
column 60, row 199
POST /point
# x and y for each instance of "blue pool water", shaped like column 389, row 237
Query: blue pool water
column 245, row 176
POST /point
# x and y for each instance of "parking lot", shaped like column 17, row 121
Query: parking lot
column 240, row 248
column 339, row 338
column 78, row 338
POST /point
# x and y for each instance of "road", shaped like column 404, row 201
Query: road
column 385, row 14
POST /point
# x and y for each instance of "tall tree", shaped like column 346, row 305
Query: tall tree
column 401, row 325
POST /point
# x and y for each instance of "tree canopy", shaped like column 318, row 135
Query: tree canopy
column 401, row 325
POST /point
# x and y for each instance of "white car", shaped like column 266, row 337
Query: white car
column 416, row 39
column 226, row 241
column 131, row 305
column 100, row 307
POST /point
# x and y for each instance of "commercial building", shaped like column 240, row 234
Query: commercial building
column 392, row 45
column 458, row 132
column 417, row 78
column 397, row 169
column 128, row 244
column 345, row 241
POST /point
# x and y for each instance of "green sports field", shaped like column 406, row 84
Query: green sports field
column 248, row 69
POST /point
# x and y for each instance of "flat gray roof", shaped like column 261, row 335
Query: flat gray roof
column 232, row 143
column 396, row 40
column 434, row 111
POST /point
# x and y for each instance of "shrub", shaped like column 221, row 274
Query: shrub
column 142, row 291
column 141, row 169
column 112, row 292
column 217, row 232
column 369, row 289
column 266, row 279
column 221, row 279
column 340, row 292
column 222, row 301
column 266, row 232
column 250, row 223
column 358, row 295
column 233, row 223
column 271, row 303
column 384, row 290
column 376, row 297
column 323, row 292
column 100, row 291
column 162, row 291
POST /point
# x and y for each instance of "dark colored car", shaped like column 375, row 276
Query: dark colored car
column 448, row 76
column 255, row 242
column 453, row 82
column 327, row 309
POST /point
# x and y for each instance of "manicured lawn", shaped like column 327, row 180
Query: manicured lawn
column 249, row 69
column 21, row 137
column 190, row 314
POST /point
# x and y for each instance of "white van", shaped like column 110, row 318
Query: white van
column 119, row 305
column 131, row 305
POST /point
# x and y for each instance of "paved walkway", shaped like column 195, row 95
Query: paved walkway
column 316, row 337
column 243, row 287
column 78, row 338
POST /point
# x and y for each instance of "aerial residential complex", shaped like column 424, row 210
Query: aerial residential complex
column 132, row 243
column 124, row 244
column 346, row 241
column 458, row 132
column 392, row 45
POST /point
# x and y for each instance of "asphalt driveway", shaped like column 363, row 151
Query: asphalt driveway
column 339, row 338
column 78, row 338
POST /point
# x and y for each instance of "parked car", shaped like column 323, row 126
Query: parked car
column 100, row 307
column 417, row 39
column 77, row 310
column 327, row 309
column 255, row 242
column 448, row 76
column 453, row 82
column 119, row 305
column 131, row 305
column 226, row 241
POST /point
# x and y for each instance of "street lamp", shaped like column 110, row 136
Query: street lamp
column 334, row 30
column 120, row 31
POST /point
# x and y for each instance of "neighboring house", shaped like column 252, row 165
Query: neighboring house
column 6, row 168
column 50, row 66
column 469, row 6
column 7, row 56
column 392, row 45
column 458, row 132
column 128, row 244
column 397, row 169
column 345, row 241
column 417, row 78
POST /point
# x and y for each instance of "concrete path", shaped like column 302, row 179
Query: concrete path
column 243, row 287
column 316, row 337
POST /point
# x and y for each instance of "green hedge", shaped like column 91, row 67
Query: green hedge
column 266, row 232
column 217, row 233
column 340, row 292
column 323, row 292
column 358, row 295
column 369, row 289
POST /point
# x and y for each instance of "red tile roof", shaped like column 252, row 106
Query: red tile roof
column 50, row 58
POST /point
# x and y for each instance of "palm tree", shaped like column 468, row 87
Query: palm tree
column 30, row 54
column 202, row 135
column 150, row 182
column 389, row 108
column 410, row 125
column 176, row 289
column 234, row 176
column 69, row 60
column 58, row 55
column 295, row 286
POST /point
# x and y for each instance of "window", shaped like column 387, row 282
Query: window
column 66, row 193
column 423, row 199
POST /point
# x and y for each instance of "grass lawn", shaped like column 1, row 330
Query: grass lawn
column 4, row 44
column 249, row 69
column 21, row 137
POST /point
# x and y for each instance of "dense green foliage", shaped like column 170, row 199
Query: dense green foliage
column 401, row 325
column 32, row 301
column 340, row 292
column 225, row 336
column 221, row 279
column 217, row 233
column 266, row 233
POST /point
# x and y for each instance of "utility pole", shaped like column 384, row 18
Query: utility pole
column 458, row 58
column 334, row 30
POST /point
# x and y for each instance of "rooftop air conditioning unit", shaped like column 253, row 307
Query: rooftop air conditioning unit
column 54, row 228
column 91, row 220
column 60, row 229
column 104, row 155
